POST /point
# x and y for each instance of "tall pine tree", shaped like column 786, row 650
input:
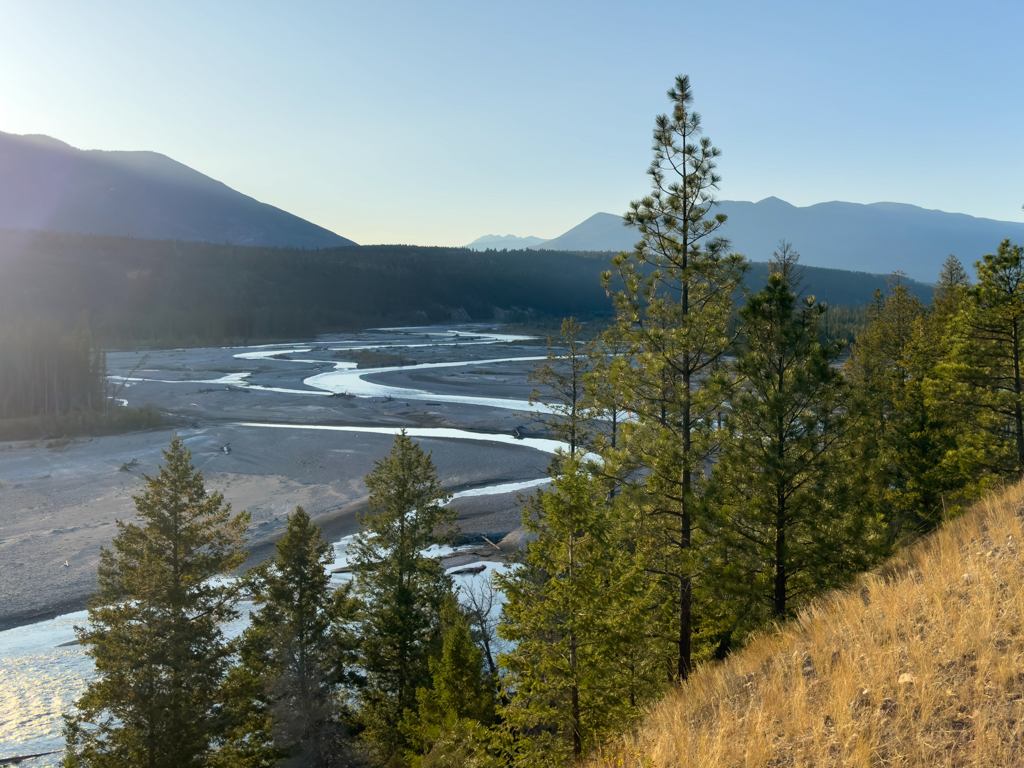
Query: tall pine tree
column 982, row 366
column 401, row 589
column 563, row 678
column 674, row 307
column 787, row 531
column 562, row 381
column 155, row 628
column 287, row 694
column 902, row 452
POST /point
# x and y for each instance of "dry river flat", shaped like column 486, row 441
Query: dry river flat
column 59, row 499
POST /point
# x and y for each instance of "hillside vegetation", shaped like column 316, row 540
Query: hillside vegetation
column 169, row 292
column 919, row 664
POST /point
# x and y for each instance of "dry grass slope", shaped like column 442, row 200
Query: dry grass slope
column 921, row 664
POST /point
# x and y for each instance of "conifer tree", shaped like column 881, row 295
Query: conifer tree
column 461, row 697
column 674, row 306
column 563, row 387
column 787, row 531
column 296, row 660
column 562, row 688
column 155, row 627
column 401, row 589
column 951, row 289
column 608, row 403
column 908, row 466
column 982, row 367
column 786, row 262
column 950, row 433
column 891, row 402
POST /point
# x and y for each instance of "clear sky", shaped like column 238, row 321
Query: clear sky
column 437, row 122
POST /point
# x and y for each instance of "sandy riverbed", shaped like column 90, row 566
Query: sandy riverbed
column 59, row 500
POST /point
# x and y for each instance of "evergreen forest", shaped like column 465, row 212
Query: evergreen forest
column 148, row 293
column 728, row 457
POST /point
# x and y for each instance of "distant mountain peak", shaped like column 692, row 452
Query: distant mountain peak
column 39, row 138
column 772, row 200
column 46, row 184
column 875, row 237
column 504, row 242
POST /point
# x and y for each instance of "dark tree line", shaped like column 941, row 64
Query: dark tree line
column 47, row 372
column 142, row 292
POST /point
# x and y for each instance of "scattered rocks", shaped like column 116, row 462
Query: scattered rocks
column 806, row 663
column 862, row 699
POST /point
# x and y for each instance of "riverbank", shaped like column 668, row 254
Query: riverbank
column 60, row 502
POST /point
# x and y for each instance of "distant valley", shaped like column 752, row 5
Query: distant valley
column 153, row 252
column 47, row 185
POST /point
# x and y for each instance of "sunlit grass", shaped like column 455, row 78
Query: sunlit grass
column 920, row 664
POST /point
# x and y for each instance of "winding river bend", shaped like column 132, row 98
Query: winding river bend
column 42, row 671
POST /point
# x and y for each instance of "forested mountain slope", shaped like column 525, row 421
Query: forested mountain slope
column 916, row 665
column 46, row 184
column 880, row 237
column 172, row 292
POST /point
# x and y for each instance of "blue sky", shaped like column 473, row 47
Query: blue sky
column 435, row 123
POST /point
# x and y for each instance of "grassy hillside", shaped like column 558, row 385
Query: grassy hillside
column 921, row 664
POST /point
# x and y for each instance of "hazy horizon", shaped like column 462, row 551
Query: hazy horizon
column 469, row 119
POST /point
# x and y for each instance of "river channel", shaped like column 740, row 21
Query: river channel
column 444, row 386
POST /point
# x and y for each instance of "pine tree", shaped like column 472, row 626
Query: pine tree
column 951, row 289
column 901, row 451
column 949, row 434
column 608, row 403
column 674, row 307
column 401, row 589
column 786, row 262
column 563, row 389
column 296, row 660
column 787, row 532
column 155, row 627
column 982, row 365
column 461, row 697
column 562, row 686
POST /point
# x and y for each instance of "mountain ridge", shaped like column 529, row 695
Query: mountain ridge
column 505, row 242
column 872, row 237
column 47, row 184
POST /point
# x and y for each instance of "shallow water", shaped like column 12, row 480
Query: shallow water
column 346, row 378
column 40, row 680
column 354, row 382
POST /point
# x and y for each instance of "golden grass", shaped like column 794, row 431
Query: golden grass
column 920, row 664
